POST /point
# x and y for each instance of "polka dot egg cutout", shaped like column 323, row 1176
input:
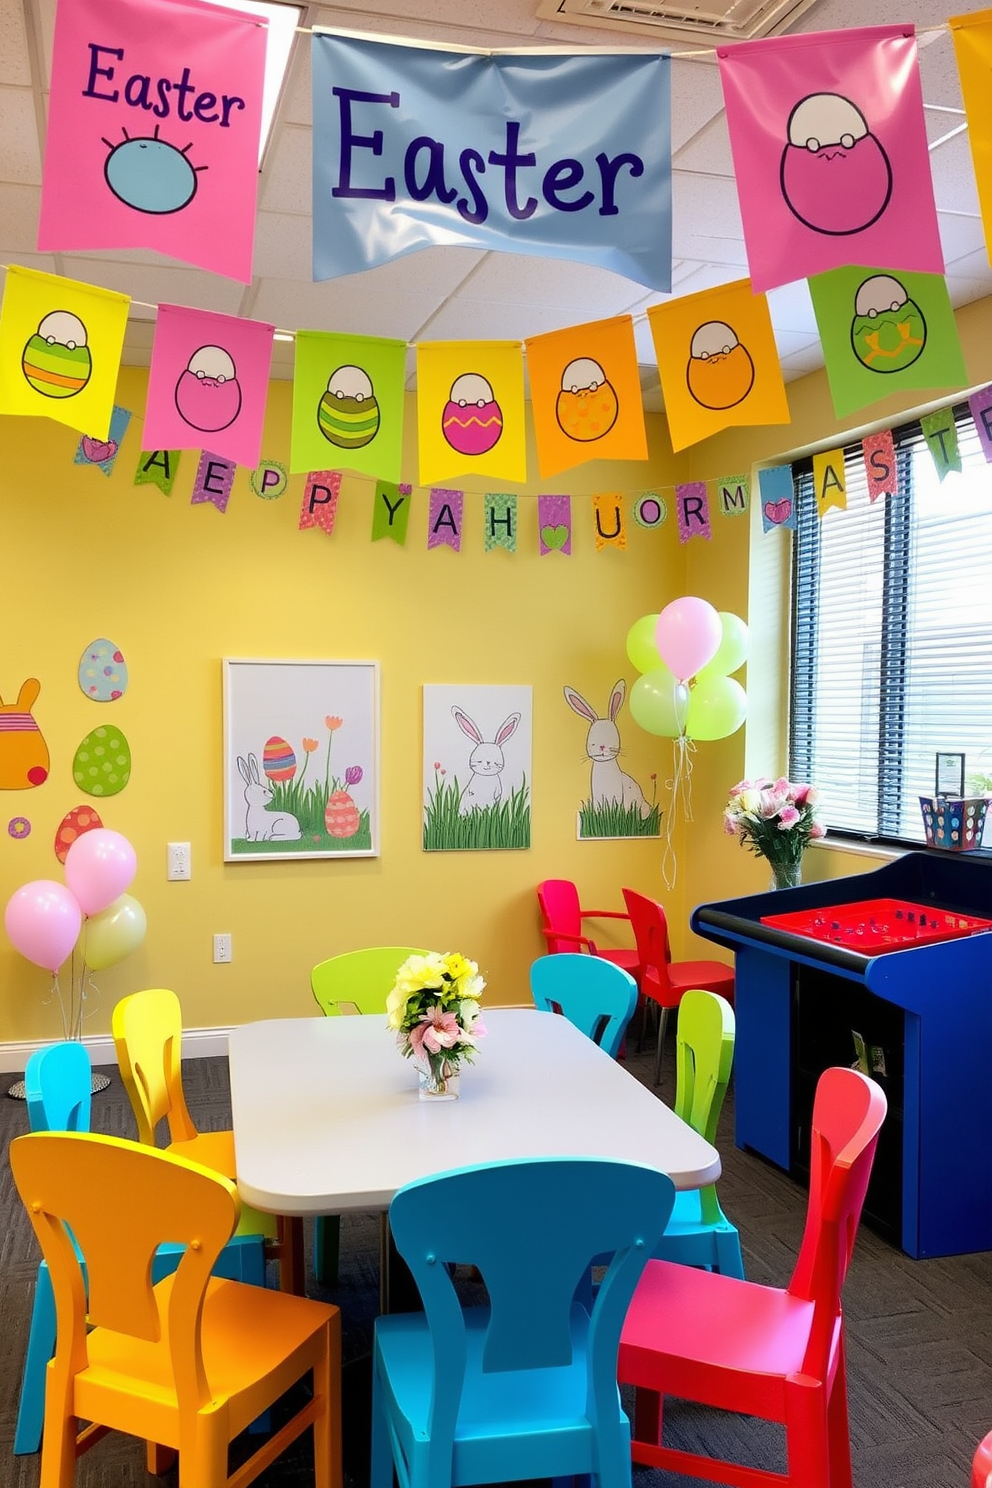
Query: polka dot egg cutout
column 278, row 759
column 587, row 405
column 75, row 822
column 720, row 373
column 101, row 765
column 348, row 413
column 103, row 672
column 472, row 421
column 208, row 394
column 888, row 332
column 56, row 360
column 341, row 816
column 835, row 176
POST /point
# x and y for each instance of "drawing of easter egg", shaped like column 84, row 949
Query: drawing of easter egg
column 720, row 371
column 348, row 413
column 208, row 394
column 888, row 332
column 341, row 816
column 75, row 822
column 101, row 765
column 587, row 405
column 278, row 759
column 56, row 359
column 472, row 420
column 835, row 176
column 103, row 672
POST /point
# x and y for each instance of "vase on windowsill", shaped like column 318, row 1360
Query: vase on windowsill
column 776, row 820
column 786, row 875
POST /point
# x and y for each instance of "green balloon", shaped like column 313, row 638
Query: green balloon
column 732, row 651
column 113, row 933
column 717, row 708
column 641, row 649
column 658, row 702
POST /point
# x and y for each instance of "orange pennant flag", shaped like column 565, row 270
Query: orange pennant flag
column 586, row 395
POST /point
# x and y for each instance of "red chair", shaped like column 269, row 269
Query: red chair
column 981, row 1467
column 763, row 1351
column 661, row 979
column 561, row 925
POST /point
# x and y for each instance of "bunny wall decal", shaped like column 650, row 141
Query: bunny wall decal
column 24, row 757
column 608, row 782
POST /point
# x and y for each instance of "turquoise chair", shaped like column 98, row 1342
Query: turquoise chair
column 57, row 1082
column 526, row 1386
column 597, row 996
column 699, row 1233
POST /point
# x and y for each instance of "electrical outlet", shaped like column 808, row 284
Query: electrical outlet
column 222, row 948
column 178, row 861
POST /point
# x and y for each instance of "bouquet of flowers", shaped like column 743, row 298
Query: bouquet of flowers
column 434, row 1008
column 776, row 820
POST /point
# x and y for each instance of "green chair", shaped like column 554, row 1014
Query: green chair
column 354, row 982
column 699, row 1233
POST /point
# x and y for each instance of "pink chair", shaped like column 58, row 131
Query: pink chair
column 561, row 925
column 764, row 1351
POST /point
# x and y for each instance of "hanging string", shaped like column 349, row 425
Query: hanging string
column 679, row 787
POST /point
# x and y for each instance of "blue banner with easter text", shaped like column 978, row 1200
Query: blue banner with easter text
column 560, row 155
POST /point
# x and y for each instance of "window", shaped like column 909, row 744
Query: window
column 892, row 635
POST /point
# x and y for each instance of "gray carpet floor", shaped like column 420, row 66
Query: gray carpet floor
column 919, row 1333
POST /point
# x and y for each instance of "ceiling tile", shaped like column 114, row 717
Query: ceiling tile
column 697, row 98
column 158, row 284
column 707, row 221
column 19, row 207
column 792, row 309
column 282, row 247
column 801, row 363
column 334, row 306
column 708, row 152
column 20, row 160
column 15, row 62
column 954, row 186
column 959, row 234
column 553, row 283
column 287, row 182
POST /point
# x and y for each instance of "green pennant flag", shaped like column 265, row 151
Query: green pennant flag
column 157, row 468
column 884, row 333
column 391, row 511
column 941, row 435
column 733, row 495
column 348, row 403
column 501, row 522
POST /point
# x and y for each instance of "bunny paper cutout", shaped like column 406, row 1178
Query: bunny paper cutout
column 485, row 762
column 608, row 783
column 24, row 757
column 261, row 824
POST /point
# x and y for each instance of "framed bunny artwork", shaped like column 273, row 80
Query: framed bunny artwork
column 477, row 767
column 616, row 805
column 301, row 759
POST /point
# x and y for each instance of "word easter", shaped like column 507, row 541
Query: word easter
column 424, row 170
column 138, row 92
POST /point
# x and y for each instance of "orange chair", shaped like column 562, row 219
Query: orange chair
column 561, row 925
column 186, row 1364
column 759, row 1350
column 662, row 980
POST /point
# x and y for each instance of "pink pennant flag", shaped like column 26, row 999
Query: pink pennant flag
column 692, row 507
column 830, row 153
column 554, row 524
column 444, row 520
column 880, row 464
column 980, row 404
column 154, row 123
column 320, row 500
column 214, row 479
column 209, row 377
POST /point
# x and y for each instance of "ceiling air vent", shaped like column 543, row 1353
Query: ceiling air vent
column 740, row 21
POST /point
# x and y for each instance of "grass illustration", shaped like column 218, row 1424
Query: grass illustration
column 613, row 819
column 504, row 824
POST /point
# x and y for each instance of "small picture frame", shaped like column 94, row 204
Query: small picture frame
column 950, row 775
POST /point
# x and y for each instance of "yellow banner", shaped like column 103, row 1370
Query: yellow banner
column 829, row 481
column 586, row 395
column 470, row 410
column 972, row 36
column 718, row 362
column 60, row 349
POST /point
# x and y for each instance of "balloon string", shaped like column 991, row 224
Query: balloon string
column 680, row 787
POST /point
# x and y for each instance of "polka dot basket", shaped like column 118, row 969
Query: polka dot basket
column 952, row 824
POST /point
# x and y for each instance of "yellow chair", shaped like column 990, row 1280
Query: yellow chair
column 186, row 1364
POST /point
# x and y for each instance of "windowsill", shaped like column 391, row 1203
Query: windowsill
column 862, row 849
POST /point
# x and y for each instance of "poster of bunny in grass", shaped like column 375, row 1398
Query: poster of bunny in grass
column 301, row 759
column 477, row 767
column 616, row 806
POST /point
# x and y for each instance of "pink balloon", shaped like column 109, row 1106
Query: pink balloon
column 688, row 635
column 43, row 921
column 99, row 867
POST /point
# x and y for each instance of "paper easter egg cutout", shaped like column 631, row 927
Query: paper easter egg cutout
column 75, row 822
column 888, row 332
column 587, row 405
column 835, row 176
column 208, row 394
column 720, row 372
column 56, row 360
column 348, row 413
column 102, row 672
column 101, row 765
column 472, row 421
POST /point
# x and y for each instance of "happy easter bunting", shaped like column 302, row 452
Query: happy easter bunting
column 586, row 395
column 733, row 495
column 60, row 349
column 103, row 452
column 158, row 468
column 554, row 525
column 154, row 123
column 444, row 519
column 348, row 403
column 980, row 405
column 319, row 507
column 718, row 362
column 213, row 482
column 829, row 145
column 609, row 520
column 470, row 410
column 778, row 506
column 391, row 511
column 649, row 510
column 884, row 332
column 941, row 435
column 500, row 522
column 879, row 453
column 829, row 481
column 972, row 37
column 692, row 510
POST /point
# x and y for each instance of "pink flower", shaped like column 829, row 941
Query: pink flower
column 730, row 824
column 436, row 1030
column 817, row 829
column 788, row 817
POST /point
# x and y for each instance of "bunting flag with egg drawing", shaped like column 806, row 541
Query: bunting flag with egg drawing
column 154, row 124
column 718, row 362
column 885, row 332
column 348, row 403
column 586, row 395
column 470, row 410
column 829, row 144
column 208, row 382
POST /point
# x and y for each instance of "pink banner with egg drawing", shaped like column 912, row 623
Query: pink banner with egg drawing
column 154, row 123
column 208, row 383
column 830, row 153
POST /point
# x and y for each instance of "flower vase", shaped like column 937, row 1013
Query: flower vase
column 787, row 875
column 438, row 1081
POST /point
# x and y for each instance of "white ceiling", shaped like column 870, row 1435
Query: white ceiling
column 460, row 293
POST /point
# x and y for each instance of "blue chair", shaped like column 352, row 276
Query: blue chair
column 594, row 994
column 699, row 1233
column 57, row 1083
column 526, row 1386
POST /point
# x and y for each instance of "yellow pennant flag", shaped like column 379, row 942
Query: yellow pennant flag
column 470, row 410
column 586, row 395
column 829, row 481
column 972, row 36
column 60, row 349
column 718, row 362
